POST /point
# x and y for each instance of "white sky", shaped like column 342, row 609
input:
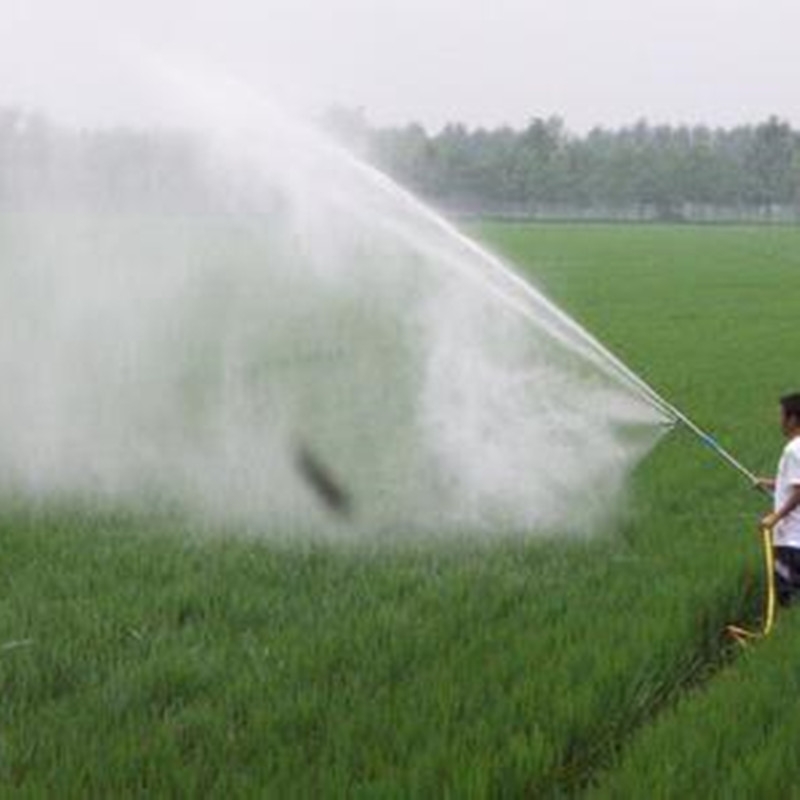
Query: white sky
column 484, row 63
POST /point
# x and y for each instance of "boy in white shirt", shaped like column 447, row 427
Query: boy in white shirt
column 784, row 520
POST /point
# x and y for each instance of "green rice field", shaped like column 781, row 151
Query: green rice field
column 140, row 658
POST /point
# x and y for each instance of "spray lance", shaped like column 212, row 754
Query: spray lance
column 678, row 417
column 671, row 412
column 716, row 447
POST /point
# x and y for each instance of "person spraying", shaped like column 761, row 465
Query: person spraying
column 784, row 519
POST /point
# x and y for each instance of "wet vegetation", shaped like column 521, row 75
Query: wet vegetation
column 141, row 656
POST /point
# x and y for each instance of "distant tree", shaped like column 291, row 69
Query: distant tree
column 406, row 153
column 540, row 154
column 770, row 162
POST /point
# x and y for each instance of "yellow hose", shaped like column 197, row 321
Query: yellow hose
column 742, row 635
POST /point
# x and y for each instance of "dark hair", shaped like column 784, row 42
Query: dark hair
column 790, row 404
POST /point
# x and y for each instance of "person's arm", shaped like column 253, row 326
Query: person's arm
column 772, row 519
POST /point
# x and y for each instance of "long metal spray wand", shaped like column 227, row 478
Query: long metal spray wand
column 706, row 438
column 665, row 406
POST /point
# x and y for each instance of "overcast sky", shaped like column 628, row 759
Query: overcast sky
column 483, row 62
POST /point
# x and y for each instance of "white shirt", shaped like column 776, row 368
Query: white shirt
column 787, row 531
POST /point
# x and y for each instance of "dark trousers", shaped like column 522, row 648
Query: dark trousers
column 787, row 574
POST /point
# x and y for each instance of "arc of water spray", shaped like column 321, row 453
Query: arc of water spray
column 598, row 351
column 622, row 370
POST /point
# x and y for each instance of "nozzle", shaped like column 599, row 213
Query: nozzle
column 710, row 441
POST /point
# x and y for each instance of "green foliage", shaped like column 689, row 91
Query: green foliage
column 642, row 171
column 139, row 657
column 737, row 739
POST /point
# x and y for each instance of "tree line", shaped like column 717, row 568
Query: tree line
column 643, row 171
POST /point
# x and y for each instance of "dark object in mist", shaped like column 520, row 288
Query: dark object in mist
column 325, row 485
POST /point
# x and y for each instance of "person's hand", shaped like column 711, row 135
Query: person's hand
column 769, row 521
column 764, row 484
